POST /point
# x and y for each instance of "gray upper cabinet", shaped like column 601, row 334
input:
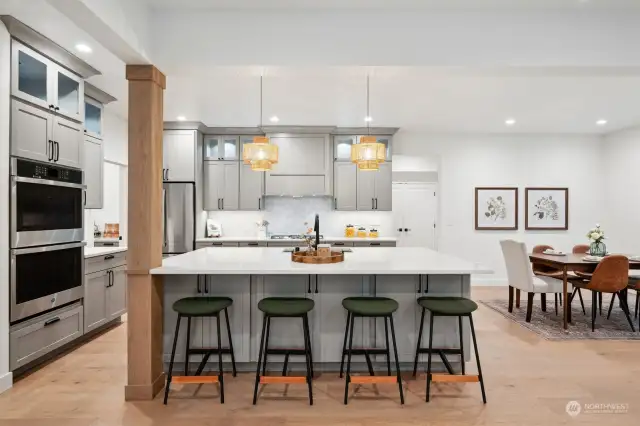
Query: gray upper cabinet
column 68, row 137
column 342, row 147
column 251, row 188
column 345, row 186
column 374, row 189
column 93, row 117
column 220, row 148
column 30, row 132
column 221, row 185
column 42, row 82
column 93, row 172
column 40, row 135
column 179, row 155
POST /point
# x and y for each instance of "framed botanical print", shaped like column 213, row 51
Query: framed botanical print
column 546, row 209
column 496, row 209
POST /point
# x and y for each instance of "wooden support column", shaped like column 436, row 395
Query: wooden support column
column 144, row 291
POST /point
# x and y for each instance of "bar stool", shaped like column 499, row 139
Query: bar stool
column 370, row 307
column 284, row 307
column 448, row 307
column 191, row 307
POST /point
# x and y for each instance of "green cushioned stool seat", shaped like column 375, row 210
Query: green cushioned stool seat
column 201, row 306
column 370, row 306
column 286, row 306
column 448, row 305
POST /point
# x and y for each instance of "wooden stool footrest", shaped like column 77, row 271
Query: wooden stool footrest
column 194, row 379
column 360, row 380
column 454, row 378
column 283, row 379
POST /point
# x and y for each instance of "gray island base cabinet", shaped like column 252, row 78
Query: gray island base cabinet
column 327, row 320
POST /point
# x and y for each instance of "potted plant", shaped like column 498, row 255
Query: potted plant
column 597, row 247
column 262, row 228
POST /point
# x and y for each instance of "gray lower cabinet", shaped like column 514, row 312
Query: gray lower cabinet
column 105, row 290
column 92, row 166
column 36, row 337
column 252, row 244
column 204, row 330
column 374, row 244
column 216, row 244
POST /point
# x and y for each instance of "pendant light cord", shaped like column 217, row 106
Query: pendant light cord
column 260, row 100
column 368, row 111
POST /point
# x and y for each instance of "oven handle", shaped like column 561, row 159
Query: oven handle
column 43, row 249
column 47, row 182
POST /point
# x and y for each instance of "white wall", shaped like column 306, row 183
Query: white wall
column 468, row 161
column 5, row 89
column 621, row 174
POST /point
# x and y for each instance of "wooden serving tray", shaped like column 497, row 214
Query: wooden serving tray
column 311, row 257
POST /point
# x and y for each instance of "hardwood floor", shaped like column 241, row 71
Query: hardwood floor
column 529, row 382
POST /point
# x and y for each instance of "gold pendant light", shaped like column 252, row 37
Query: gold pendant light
column 260, row 154
column 368, row 154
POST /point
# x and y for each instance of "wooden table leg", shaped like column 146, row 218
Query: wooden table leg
column 517, row 297
column 565, row 296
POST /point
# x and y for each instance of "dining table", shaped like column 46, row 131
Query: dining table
column 566, row 263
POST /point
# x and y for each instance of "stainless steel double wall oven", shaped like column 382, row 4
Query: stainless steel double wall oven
column 47, row 229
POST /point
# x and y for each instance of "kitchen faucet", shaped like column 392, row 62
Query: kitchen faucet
column 316, row 228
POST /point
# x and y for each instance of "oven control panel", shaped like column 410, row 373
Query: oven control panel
column 32, row 169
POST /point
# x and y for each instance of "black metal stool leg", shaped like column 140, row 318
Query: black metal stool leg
column 266, row 347
column 415, row 362
column 344, row 343
column 173, row 355
column 395, row 354
column 233, row 356
column 220, row 372
column 348, row 377
column 307, row 353
column 255, row 390
column 461, row 346
column 186, row 351
column 429, row 355
column 475, row 347
column 386, row 336
column 285, row 366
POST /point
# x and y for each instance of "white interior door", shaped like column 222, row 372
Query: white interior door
column 415, row 207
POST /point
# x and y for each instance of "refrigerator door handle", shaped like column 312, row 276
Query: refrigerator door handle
column 164, row 217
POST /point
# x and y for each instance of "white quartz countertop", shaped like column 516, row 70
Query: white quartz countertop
column 101, row 251
column 273, row 261
column 328, row 239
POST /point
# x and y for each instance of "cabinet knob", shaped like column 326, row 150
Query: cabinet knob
column 399, row 229
column 407, row 229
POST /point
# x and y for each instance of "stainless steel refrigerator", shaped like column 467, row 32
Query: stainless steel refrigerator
column 178, row 213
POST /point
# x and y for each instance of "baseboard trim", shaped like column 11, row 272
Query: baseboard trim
column 6, row 381
column 144, row 392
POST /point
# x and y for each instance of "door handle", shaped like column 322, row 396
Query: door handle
column 206, row 286
column 399, row 229
column 259, row 203
column 222, row 203
column 51, row 321
column 376, row 204
column 164, row 219
column 198, row 284
column 84, row 196
column 57, row 108
column 373, row 206
column 167, row 174
column 109, row 257
column 419, row 284
column 407, row 229
column 57, row 146
column 50, row 150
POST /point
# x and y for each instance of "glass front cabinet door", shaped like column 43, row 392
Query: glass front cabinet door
column 342, row 147
column 221, row 148
column 93, row 117
column 46, row 84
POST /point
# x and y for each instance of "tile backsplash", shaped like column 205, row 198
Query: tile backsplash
column 287, row 216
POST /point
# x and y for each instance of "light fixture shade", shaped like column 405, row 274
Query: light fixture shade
column 368, row 154
column 260, row 154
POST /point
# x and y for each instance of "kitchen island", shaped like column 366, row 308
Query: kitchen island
column 249, row 274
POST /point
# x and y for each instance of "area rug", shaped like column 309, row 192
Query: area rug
column 549, row 326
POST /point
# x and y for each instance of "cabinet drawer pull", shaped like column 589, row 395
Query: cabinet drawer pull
column 109, row 257
column 216, row 244
column 338, row 244
column 374, row 244
column 51, row 321
column 253, row 244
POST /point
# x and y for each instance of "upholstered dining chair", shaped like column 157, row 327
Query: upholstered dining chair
column 521, row 276
column 549, row 271
column 611, row 276
column 584, row 249
column 634, row 284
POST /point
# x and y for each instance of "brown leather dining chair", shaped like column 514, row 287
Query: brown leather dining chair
column 611, row 276
column 549, row 271
column 582, row 249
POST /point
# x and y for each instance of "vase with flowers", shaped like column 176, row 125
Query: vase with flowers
column 597, row 246
column 263, row 227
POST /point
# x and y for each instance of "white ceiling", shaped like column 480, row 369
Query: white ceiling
column 392, row 4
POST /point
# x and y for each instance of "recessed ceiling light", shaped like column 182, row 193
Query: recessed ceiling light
column 274, row 119
column 601, row 122
column 368, row 119
column 510, row 121
column 83, row 48
column 181, row 118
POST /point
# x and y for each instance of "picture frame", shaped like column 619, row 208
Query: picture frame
column 546, row 209
column 496, row 209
